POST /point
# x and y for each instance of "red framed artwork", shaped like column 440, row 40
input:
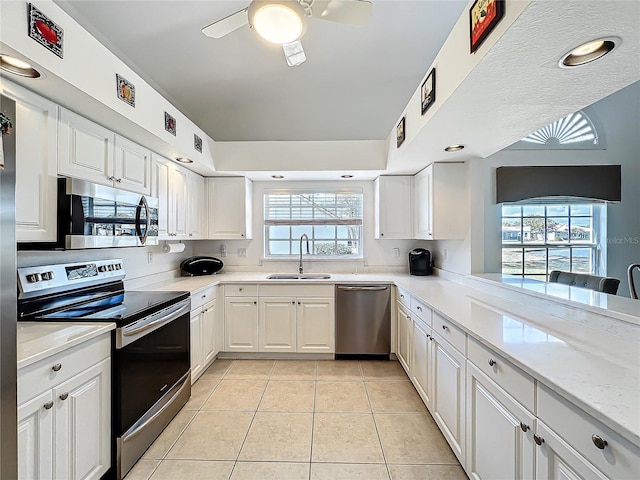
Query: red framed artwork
column 484, row 15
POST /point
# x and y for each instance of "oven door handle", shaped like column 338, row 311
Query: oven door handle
column 151, row 322
column 138, row 427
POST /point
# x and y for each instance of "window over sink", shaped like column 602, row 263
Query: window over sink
column 332, row 220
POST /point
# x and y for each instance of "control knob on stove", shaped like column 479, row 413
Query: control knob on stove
column 33, row 277
column 102, row 268
column 47, row 276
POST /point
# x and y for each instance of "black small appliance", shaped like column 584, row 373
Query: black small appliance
column 420, row 262
column 200, row 265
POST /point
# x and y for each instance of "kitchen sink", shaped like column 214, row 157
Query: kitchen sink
column 299, row 276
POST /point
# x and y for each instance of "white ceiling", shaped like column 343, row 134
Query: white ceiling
column 354, row 85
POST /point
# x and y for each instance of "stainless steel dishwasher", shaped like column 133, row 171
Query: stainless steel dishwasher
column 363, row 321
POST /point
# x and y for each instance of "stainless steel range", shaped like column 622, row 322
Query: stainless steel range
column 151, row 367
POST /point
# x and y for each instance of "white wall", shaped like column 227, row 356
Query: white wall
column 618, row 118
column 378, row 254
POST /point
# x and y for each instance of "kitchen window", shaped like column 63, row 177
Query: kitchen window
column 537, row 239
column 331, row 219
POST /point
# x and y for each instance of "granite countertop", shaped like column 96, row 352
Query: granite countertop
column 590, row 358
column 38, row 340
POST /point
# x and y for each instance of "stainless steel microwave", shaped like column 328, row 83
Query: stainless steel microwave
column 97, row 216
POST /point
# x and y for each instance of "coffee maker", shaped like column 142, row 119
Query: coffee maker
column 420, row 262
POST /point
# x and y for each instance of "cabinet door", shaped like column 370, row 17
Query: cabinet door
column 229, row 208
column 178, row 189
column 404, row 324
column 497, row 423
column 423, row 204
column 393, row 207
column 421, row 361
column 35, row 438
column 208, row 325
column 132, row 169
column 171, row 189
column 241, row 324
column 195, row 332
column 449, row 394
column 85, row 149
column 557, row 460
column 36, row 165
column 82, row 447
column 277, row 330
column 197, row 199
column 316, row 325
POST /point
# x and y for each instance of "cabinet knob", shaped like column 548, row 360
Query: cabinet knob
column 430, row 338
column 204, row 296
column 255, row 303
column 401, row 296
column 524, row 427
column 598, row 441
column 445, row 328
column 419, row 308
column 242, row 234
column 206, row 310
column 382, row 234
column 298, row 303
column 538, row 439
column 112, row 178
column 56, row 367
column 48, row 405
column 492, row 362
column 240, row 289
column 119, row 180
column 293, row 302
column 64, row 396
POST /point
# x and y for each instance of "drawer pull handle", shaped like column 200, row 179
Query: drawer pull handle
column 255, row 303
column 419, row 308
column 56, row 367
column 64, row 396
column 204, row 296
column 524, row 427
column 293, row 302
column 538, row 439
column 492, row 362
column 48, row 405
column 401, row 296
column 430, row 338
column 444, row 327
column 598, row 441
column 240, row 289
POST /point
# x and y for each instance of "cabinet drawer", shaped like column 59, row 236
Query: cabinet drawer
column 199, row 298
column 403, row 297
column 271, row 290
column 618, row 459
column 421, row 310
column 41, row 376
column 449, row 332
column 241, row 290
column 517, row 383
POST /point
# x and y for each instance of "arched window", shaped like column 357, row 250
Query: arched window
column 575, row 131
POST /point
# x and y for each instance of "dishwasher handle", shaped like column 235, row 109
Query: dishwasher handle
column 378, row 288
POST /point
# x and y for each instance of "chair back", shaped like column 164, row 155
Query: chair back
column 583, row 280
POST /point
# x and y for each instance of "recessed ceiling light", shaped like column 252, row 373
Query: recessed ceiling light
column 184, row 160
column 453, row 148
column 277, row 177
column 346, row 176
column 588, row 52
column 17, row 67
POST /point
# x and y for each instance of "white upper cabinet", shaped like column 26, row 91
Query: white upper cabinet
column 36, row 167
column 91, row 152
column 170, row 186
column 440, row 202
column 197, row 206
column 229, row 208
column 393, row 207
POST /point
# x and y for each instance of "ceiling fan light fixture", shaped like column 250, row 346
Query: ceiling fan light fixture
column 277, row 21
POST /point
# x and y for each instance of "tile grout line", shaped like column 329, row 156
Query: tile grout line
column 313, row 417
column 375, row 424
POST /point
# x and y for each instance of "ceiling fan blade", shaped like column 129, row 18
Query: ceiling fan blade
column 227, row 25
column 352, row 12
column 294, row 53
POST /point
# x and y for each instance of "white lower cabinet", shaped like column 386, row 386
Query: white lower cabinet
column 315, row 325
column 497, row 425
column 205, row 330
column 421, row 362
column 64, row 414
column 277, row 326
column 449, row 394
column 403, row 337
column 195, row 332
column 241, row 324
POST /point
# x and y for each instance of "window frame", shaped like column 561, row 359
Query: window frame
column 312, row 238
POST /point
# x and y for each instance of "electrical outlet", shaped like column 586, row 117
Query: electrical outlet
column 396, row 253
column 149, row 257
column 242, row 252
column 223, row 250
column 445, row 253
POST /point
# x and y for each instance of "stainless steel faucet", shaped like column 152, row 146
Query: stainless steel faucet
column 304, row 235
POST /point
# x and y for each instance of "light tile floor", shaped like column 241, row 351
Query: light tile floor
column 301, row 420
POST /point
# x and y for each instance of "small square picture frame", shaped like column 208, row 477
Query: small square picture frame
column 197, row 143
column 400, row 132
column 170, row 124
column 126, row 91
column 428, row 91
column 484, row 15
column 45, row 31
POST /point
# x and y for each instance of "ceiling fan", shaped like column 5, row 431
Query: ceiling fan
column 283, row 22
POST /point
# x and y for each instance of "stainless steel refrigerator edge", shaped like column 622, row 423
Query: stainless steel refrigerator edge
column 8, row 303
column 363, row 320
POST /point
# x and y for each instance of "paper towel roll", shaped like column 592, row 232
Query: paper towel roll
column 173, row 247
